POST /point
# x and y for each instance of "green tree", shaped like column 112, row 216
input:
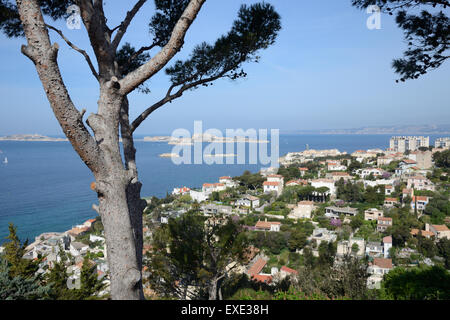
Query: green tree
column 19, row 287
column 297, row 240
column 426, row 246
column 195, row 251
column 327, row 252
column 430, row 283
column 444, row 250
column 442, row 159
column 91, row 285
column 250, row 180
column 14, row 252
column 350, row 278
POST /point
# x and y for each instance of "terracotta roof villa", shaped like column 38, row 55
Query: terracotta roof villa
column 383, row 263
column 257, row 267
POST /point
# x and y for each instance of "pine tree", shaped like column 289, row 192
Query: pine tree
column 14, row 252
column 19, row 287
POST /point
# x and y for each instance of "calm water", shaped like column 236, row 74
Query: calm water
column 45, row 186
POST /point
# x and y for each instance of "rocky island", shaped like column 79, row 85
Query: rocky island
column 201, row 138
column 31, row 137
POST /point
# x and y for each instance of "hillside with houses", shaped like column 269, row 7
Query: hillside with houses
column 322, row 219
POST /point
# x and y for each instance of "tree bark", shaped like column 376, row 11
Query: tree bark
column 118, row 191
column 212, row 290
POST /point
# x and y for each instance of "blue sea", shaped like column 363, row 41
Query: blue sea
column 45, row 186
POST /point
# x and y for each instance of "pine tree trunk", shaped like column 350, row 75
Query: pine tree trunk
column 212, row 290
column 118, row 191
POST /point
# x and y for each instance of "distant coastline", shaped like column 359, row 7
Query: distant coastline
column 381, row 130
column 201, row 138
column 31, row 137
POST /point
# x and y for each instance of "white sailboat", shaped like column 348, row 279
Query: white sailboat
column 5, row 161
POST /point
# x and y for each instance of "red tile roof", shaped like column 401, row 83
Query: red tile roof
column 271, row 183
column 265, row 224
column 257, row 267
column 424, row 233
column 289, row 270
column 440, row 227
column 306, row 203
column 419, row 198
column 343, row 174
column 213, row 184
column 262, row 278
column 383, row 263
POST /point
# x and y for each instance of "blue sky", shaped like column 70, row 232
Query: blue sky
column 326, row 70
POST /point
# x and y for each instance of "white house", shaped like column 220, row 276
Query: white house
column 199, row 196
column 421, row 202
column 366, row 172
column 329, row 183
column 390, row 202
column 388, row 190
column 273, row 186
column 372, row 214
column 298, row 182
column 285, row 272
column 336, row 212
column 336, row 166
column 379, row 182
column 94, row 238
column 440, row 231
column 228, row 182
column 377, row 270
column 323, row 234
column 420, row 183
column 248, row 201
column 380, row 266
column 213, row 187
column 338, row 175
column 268, row 226
column 303, row 171
column 303, row 209
column 405, row 166
column 374, row 249
column 387, row 245
column 180, row 191
column 276, row 178
column 77, row 248
column 383, row 223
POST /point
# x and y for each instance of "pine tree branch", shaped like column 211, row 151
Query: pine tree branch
column 73, row 46
column 122, row 28
column 139, row 76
